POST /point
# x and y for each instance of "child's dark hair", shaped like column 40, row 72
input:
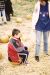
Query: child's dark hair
column 15, row 31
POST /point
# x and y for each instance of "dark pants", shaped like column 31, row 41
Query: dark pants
column 25, row 55
column 8, row 17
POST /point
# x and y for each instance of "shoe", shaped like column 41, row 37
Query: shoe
column 5, row 22
column 26, row 62
column 37, row 58
column 45, row 53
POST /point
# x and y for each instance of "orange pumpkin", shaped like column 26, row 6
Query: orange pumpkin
column 19, row 20
column 28, row 16
column 0, row 55
column 4, row 39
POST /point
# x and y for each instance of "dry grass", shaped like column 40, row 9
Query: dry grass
column 33, row 68
column 21, row 8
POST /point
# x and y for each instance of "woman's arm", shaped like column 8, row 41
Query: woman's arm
column 35, row 15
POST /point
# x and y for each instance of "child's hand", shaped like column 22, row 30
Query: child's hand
column 26, row 48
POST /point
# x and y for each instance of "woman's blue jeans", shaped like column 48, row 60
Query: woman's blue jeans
column 38, row 41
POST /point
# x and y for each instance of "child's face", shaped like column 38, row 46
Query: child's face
column 17, row 36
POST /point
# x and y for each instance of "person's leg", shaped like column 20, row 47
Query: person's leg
column 23, row 57
column 24, row 54
column 4, row 15
column 45, row 37
column 8, row 17
column 0, row 18
column 38, row 41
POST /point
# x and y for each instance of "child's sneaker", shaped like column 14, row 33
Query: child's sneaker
column 26, row 62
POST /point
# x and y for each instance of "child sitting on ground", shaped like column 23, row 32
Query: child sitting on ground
column 19, row 47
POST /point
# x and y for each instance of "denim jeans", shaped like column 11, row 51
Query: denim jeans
column 38, row 41
column 3, row 16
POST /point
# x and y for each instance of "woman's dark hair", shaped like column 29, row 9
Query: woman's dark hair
column 15, row 31
column 45, row 0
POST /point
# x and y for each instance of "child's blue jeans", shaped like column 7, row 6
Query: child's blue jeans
column 38, row 41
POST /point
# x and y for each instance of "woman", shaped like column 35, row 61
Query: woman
column 41, row 23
